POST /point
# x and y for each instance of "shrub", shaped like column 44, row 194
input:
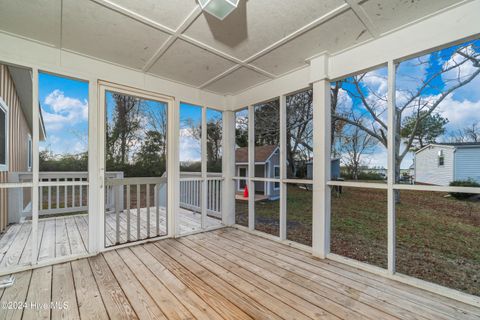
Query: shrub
column 463, row 183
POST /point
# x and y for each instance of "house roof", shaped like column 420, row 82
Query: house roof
column 459, row 144
column 262, row 153
column 452, row 145
column 22, row 79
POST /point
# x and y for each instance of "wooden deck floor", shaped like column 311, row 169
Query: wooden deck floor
column 223, row 274
column 65, row 236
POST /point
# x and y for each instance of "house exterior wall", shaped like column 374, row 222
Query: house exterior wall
column 427, row 170
column 272, row 162
column 467, row 164
column 18, row 131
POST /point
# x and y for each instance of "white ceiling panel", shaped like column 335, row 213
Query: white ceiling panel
column 166, row 12
column 38, row 20
column 256, row 24
column 189, row 64
column 338, row 33
column 390, row 14
column 94, row 30
column 236, row 81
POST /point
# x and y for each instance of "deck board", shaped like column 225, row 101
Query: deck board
column 222, row 274
column 68, row 235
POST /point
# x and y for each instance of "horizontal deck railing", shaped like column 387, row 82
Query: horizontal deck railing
column 191, row 192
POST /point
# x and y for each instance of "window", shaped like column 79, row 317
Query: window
column 359, row 127
column 276, row 175
column 242, row 172
column 3, row 136
column 29, row 153
column 441, row 158
column 299, row 142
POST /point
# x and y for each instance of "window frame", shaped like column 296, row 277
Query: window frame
column 29, row 153
column 276, row 184
column 4, row 108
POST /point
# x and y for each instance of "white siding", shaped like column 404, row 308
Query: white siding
column 467, row 164
column 427, row 170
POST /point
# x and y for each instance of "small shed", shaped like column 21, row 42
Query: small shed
column 442, row 163
column 267, row 165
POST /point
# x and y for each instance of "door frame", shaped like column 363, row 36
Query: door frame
column 172, row 160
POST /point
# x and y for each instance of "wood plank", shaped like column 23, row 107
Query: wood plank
column 143, row 304
column 39, row 293
column 289, row 301
column 322, row 296
column 192, row 301
column 47, row 247
column 227, row 301
column 311, row 279
column 62, row 248
column 16, row 293
column 76, row 242
column 8, row 238
column 82, row 224
column 12, row 257
column 90, row 304
column 168, row 303
column 63, row 291
column 116, row 303
column 386, row 286
column 26, row 257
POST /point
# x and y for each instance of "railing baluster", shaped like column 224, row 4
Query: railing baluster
column 49, row 195
column 128, row 212
column 81, row 194
column 73, row 193
column 41, row 198
column 138, row 212
column 65, row 194
column 147, row 191
column 117, row 218
column 58, row 196
column 157, row 209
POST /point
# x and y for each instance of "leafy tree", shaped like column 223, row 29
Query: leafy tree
column 425, row 131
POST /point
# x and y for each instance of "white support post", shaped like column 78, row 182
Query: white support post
column 36, row 165
column 391, row 166
column 228, row 168
column 96, row 228
column 321, row 169
column 173, row 168
column 251, row 167
column 204, row 185
column 283, row 167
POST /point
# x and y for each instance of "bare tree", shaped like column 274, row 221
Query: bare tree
column 299, row 130
column 468, row 134
column 122, row 132
column 355, row 144
column 460, row 67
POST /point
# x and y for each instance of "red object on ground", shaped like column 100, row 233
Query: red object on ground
column 245, row 192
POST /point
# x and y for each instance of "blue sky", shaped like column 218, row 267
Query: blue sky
column 461, row 108
column 64, row 105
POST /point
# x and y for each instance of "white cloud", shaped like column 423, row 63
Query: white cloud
column 65, row 111
column 460, row 114
column 190, row 147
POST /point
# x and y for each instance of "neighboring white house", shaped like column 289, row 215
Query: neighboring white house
column 442, row 163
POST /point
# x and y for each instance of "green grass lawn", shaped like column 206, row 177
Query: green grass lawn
column 438, row 237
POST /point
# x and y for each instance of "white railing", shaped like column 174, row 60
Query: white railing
column 59, row 192
column 119, row 199
column 67, row 192
column 191, row 192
